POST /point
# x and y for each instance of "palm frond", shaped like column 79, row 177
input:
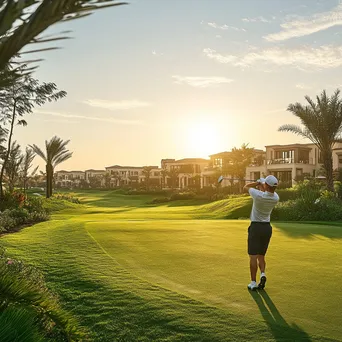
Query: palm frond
column 38, row 151
column 62, row 159
column 22, row 22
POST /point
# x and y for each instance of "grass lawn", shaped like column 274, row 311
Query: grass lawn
column 134, row 272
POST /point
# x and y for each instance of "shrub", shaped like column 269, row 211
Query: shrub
column 66, row 197
column 324, row 208
column 287, row 194
column 182, row 196
column 160, row 200
column 28, row 309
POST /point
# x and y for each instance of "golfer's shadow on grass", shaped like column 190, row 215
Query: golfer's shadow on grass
column 280, row 329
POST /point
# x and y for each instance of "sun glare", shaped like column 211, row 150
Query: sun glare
column 203, row 138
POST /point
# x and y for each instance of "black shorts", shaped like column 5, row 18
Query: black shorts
column 259, row 236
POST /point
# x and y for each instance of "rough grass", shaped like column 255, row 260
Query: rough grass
column 134, row 272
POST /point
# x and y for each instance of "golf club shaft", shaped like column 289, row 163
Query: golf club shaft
column 240, row 179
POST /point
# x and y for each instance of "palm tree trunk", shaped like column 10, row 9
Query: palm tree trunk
column 4, row 164
column 328, row 167
column 49, row 175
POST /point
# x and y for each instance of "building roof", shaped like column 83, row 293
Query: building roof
column 64, row 171
column 225, row 153
column 291, row 145
column 192, row 160
column 92, row 170
column 124, row 167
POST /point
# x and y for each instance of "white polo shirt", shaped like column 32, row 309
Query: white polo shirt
column 263, row 204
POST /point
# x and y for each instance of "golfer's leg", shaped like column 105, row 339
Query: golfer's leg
column 262, row 263
column 253, row 266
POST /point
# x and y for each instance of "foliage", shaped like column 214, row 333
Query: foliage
column 309, row 202
column 24, row 296
column 55, row 154
column 12, row 167
column 147, row 170
column 322, row 123
column 173, row 174
column 67, row 197
column 182, row 196
column 160, row 200
column 23, row 22
column 19, row 99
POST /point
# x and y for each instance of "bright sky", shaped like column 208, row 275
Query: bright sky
column 175, row 79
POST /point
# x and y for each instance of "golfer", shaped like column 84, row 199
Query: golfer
column 260, row 229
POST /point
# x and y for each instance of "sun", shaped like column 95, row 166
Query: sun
column 203, row 138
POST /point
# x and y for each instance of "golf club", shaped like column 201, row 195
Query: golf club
column 221, row 178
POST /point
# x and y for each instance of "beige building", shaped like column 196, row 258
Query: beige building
column 187, row 172
column 124, row 175
column 69, row 178
column 221, row 161
column 292, row 162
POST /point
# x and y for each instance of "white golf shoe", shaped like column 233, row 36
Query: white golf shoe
column 252, row 286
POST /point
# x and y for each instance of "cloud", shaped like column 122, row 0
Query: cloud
column 155, row 53
column 303, row 86
column 116, row 105
column 210, row 53
column 304, row 26
column 201, row 82
column 225, row 27
column 305, row 58
column 91, row 118
column 258, row 19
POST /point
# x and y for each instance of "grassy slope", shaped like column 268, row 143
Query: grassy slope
column 132, row 272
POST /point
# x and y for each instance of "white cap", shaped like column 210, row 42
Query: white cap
column 271, row 180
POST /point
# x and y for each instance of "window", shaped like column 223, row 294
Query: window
column 340, row 159
column 156, row 174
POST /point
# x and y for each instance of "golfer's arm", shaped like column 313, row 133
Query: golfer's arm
column 250, row 185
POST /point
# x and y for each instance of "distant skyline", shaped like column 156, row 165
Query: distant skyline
column 185, row 79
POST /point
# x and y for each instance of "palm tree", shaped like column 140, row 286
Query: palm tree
column 164, row 174
column 26, row 166
column 147, row 174
column 322, row 123
column 56, row 153
column 173, row 174
column 12, row 167
column 18, row 100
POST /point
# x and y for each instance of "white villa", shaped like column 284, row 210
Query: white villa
column 69, row 178
column 287, row 162
column 290, row 162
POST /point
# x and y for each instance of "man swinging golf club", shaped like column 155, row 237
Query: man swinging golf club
column 260, row 229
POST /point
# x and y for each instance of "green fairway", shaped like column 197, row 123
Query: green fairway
column 130, row 271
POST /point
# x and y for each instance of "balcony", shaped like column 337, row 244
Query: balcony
column 290, row 161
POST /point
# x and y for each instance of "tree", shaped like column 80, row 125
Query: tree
column 164, row 174
column 23, row 22
column 55, row 154
column 94, row 182
column 240, row 159
column 12, row 167
column 147, row 170
column 322, row 123
column 107, row 178
column 26, row 166
column 173, row 174
column 18, row 100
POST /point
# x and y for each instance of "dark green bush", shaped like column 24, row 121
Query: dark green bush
column 66, row 197
column 28, row 311
column 324, row 208
column 160, row 200
column 182, row 196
